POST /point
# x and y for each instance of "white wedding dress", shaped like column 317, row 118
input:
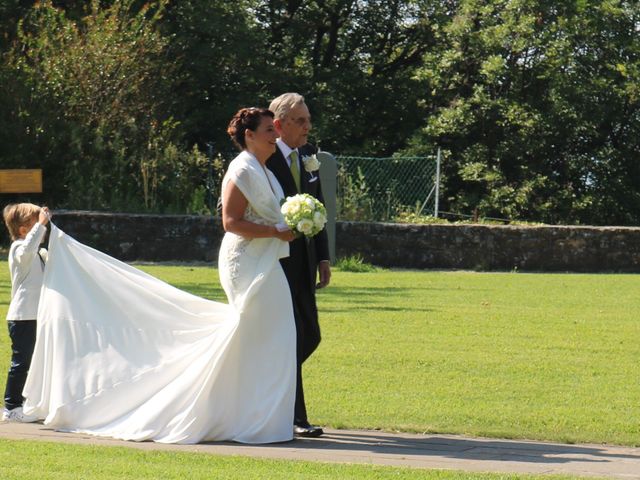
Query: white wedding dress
column 122, row 354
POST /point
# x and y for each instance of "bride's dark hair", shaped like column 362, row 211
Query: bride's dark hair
column 246, row 119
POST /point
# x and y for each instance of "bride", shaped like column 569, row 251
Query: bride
column 124, row 355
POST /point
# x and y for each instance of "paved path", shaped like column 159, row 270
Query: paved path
column 406, row 450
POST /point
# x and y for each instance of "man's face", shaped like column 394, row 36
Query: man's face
column 294, row 127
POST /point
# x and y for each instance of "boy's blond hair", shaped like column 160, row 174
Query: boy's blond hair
column 17, row 215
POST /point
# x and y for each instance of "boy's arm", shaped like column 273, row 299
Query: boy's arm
column 28, row 249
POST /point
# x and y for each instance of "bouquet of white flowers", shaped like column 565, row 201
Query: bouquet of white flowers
column 304, row 214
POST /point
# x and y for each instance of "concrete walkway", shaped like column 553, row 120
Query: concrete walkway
column 404, row 450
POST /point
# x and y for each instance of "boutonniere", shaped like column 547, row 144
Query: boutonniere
column 311, row 164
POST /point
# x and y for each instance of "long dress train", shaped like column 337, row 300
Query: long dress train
column 122, row 354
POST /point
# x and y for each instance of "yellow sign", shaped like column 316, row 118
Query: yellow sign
column 21, row 181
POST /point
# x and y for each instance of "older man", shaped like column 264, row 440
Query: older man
column 308, row 257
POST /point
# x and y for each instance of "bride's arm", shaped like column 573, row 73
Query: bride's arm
column 234, row 205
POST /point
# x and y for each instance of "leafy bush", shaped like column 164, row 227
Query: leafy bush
column 412, row 217
column 354, row 198
column 354, row 263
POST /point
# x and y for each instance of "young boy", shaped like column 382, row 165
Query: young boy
column 26, row 223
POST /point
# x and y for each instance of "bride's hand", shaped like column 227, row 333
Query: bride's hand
column 286, row 235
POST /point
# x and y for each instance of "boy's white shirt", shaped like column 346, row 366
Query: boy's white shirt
column 27, row 272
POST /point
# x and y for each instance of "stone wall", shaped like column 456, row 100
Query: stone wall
column 476, row 247
column 482, row 247
column 145, row 237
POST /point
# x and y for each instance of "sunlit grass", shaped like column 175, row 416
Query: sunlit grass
column 536, row 356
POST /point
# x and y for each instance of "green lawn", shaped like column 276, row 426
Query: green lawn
column 553, row 357
column 508, row 355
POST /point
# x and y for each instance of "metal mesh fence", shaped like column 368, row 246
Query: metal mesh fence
column 381, row 189
column 374, row 189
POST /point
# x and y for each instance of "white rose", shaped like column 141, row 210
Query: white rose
column 285, row 208
column 310, row 203
column 305, row 226
column 319, row 220
column 297, row 207
column 311, row 163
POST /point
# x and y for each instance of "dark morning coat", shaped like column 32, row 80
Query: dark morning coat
column 303, row 250
column 301, row 268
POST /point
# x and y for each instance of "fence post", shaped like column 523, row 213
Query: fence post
column 329, row 179
column 435, row 209
column 212, row 207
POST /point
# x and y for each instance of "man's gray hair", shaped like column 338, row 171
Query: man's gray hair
column 284, row 103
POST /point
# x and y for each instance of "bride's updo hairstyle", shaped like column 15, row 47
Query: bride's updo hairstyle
column 246, row 119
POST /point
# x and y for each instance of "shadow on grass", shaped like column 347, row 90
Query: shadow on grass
column 5, row 293
column 400, row 447
column 5, row 290
column 372, row 306
column 374, row 298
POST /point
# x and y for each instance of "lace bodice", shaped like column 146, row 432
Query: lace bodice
column 252, row 216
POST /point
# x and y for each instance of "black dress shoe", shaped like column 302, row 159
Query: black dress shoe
column 308, row 431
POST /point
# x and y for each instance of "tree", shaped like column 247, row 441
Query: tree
column 219, row 66
column 538, row 110
column 534, row 102
column 97, row 105
column 354, row 61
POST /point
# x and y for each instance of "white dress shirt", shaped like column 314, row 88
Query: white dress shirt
column 286, row 151
column 27, row 272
